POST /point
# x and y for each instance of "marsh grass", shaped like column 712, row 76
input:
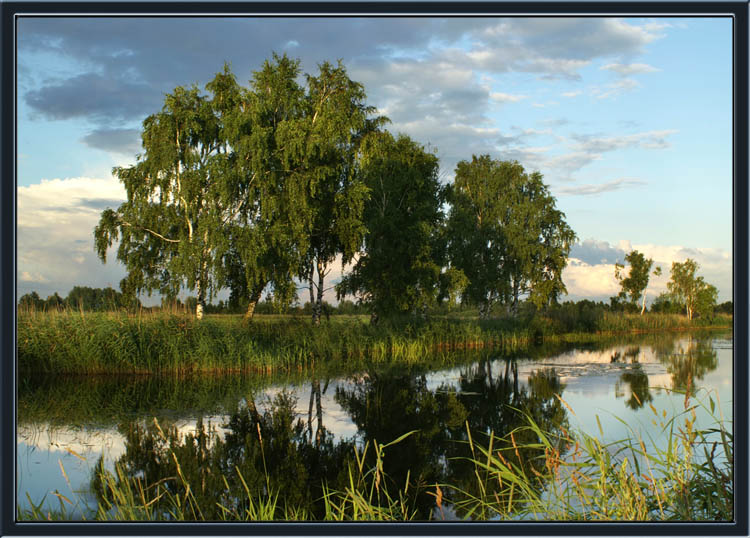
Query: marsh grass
column 685, row 476
column 73, row 342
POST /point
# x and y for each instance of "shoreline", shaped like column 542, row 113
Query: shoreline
column 116, row 344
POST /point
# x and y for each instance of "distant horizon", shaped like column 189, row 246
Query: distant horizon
column 628, row 119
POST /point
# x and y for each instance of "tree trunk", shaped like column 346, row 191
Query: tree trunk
column 318, row 304
column 643, row 308
column 374, row 318
column 484, row 310
column 311, row 283
column 319, row 413
column 514, row 307
column 254, row 298
column 309, row 413
column 201, row 298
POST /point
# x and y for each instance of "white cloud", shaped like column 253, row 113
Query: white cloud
column 506, row 97
column 572, row 94
column 56, row 220
column 629, row 69
column 596, row 280
column 646, row 140
column 589, row 281
column 589, row 189
column 25, row 276
column 615, row 88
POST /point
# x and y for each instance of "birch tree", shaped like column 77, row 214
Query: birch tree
column 180, row 193
column 693, row 291
column 635, row 283
column 269, row 236
column 336, row 118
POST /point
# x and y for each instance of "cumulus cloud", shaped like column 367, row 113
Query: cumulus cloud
column 585, row 281
column 55, row 224
column 591, row 268
column 593, row 252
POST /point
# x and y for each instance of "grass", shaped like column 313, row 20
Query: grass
column 71, row 342
column 572, row 476
column 684, row 478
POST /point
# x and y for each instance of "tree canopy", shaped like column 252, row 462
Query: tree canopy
column 399, row 268
column 180, row 194
column 697, row 295
column 506, row 234
column 635, row 283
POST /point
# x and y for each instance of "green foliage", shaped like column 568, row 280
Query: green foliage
column 698, row 296
column 666, row 303
column 399, row 269
column 506, row 234
column 180, row 194
column 727, row 307
column 634, row 285
column 336, row 119
column 31, row 301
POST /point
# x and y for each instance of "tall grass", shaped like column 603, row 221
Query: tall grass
column 686, row 476
column 71, row 342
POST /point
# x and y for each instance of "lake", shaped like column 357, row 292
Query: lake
column 310, row 427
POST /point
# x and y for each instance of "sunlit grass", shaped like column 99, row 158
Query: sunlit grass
column 73, row 342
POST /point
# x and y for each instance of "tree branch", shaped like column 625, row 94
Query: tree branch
column 151, row 232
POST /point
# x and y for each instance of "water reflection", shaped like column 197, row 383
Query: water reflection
column 275, row 452
column 310, row 427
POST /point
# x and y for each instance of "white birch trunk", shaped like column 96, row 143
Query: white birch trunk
column 318, row 305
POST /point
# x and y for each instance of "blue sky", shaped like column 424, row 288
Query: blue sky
column 629, row 121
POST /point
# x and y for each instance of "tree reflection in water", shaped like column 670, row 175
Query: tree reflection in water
column 687, row 361
column 276, row 452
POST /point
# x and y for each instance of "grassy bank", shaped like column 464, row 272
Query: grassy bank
column 95, row 343
column 528, row 474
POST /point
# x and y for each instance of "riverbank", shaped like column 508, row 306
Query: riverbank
column 119, row 343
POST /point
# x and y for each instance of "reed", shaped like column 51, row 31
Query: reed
column 687, row 476
column 73, row 342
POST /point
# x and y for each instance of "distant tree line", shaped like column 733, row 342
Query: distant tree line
column 254, row 189
column 81, row 298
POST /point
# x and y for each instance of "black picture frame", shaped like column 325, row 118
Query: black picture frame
column 738, row 10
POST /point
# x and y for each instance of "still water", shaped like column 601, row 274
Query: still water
column 311, row 426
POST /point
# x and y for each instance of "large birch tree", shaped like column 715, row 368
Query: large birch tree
column 180, row 194
column 269, row 235
column 336, row 119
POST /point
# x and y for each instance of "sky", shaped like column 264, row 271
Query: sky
column 628, row 120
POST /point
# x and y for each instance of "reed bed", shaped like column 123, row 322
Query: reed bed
column 71, row 342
